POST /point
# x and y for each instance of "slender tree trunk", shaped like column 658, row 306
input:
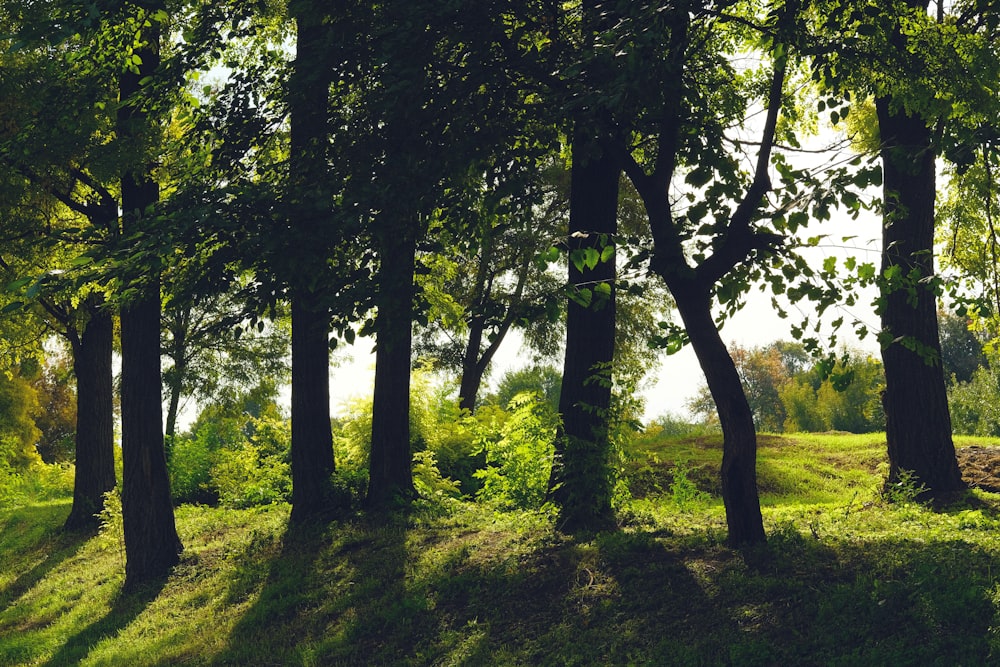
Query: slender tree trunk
column 179, row 321
column 95, row 454
column 390, row 465
column 739, row 450
column 918, row 424
column 173, row 404
column 581, row 480
column 472, row 368
column 152, row 546
column 312, row 440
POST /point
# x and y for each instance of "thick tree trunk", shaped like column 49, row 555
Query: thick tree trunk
column 95, row 453
column 152, row 546
column 581, row 480
column 918, row 424
column 739, row 449
column 390, row 465
column 312, row 440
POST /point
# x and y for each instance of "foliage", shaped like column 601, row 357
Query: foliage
column 111, row 524
column 975, row 404
column 672, row 425
column 18, row 433
column 235, row 453
column 840, row 394
column 518, row 455
column 544, row 380
column 907, row 488
column 683, row 491
column 54, row 386
column 255, row 471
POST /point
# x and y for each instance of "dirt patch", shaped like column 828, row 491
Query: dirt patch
column 980, row 467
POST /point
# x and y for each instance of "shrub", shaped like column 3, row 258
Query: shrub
column 257, row 472
column 518, row 454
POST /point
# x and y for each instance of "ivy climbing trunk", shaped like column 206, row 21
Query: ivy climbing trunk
column 152, row 546
column 312, row 441
column 581, row 480
column 918, row 424
column 390, row 464
column 95, row 456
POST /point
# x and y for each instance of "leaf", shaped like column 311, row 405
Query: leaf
column 607, row 253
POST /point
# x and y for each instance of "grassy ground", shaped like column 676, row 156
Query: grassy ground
column 846, row 579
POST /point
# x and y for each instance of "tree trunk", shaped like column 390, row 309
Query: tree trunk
column 390, row 465
column 472, row 367
column 581, row 480
column 739, row 448
column 152, row 546
column 95, row 443
column 312, row 440
column 179, row 322
column 918, row 424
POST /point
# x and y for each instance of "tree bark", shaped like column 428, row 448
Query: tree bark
column 739, row 453
column 390, row 464
column 95, row 454
column 179, row 323
column 472, row 367
column 918, row 424
column 152, row 546
column 581, row 480
column 312, row 439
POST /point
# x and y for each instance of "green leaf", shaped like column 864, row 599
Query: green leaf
column 607, row 253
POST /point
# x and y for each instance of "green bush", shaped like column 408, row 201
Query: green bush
column 519, row 453
column 257, row 472
column 975, row 405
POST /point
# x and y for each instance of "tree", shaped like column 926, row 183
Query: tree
column 54, row 208
column 152, row 546
column 735, row 241
column 310, row 202
column 580, row 482
column 435, row 94
column 490, row 280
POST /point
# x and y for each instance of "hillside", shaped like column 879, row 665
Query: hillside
column 846, row 579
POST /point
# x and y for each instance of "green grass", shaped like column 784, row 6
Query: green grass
column 845, row 580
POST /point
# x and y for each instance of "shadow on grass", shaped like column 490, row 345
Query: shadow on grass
column 289, row 596
column 56, row 545
column 373, row 591
column 125, row 609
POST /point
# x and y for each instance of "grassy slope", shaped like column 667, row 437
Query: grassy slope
column 845, row 580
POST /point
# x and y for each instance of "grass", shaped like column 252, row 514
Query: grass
column 844, row 580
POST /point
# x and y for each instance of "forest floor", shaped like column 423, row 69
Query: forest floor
column 980, row 466
column 847, row 578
